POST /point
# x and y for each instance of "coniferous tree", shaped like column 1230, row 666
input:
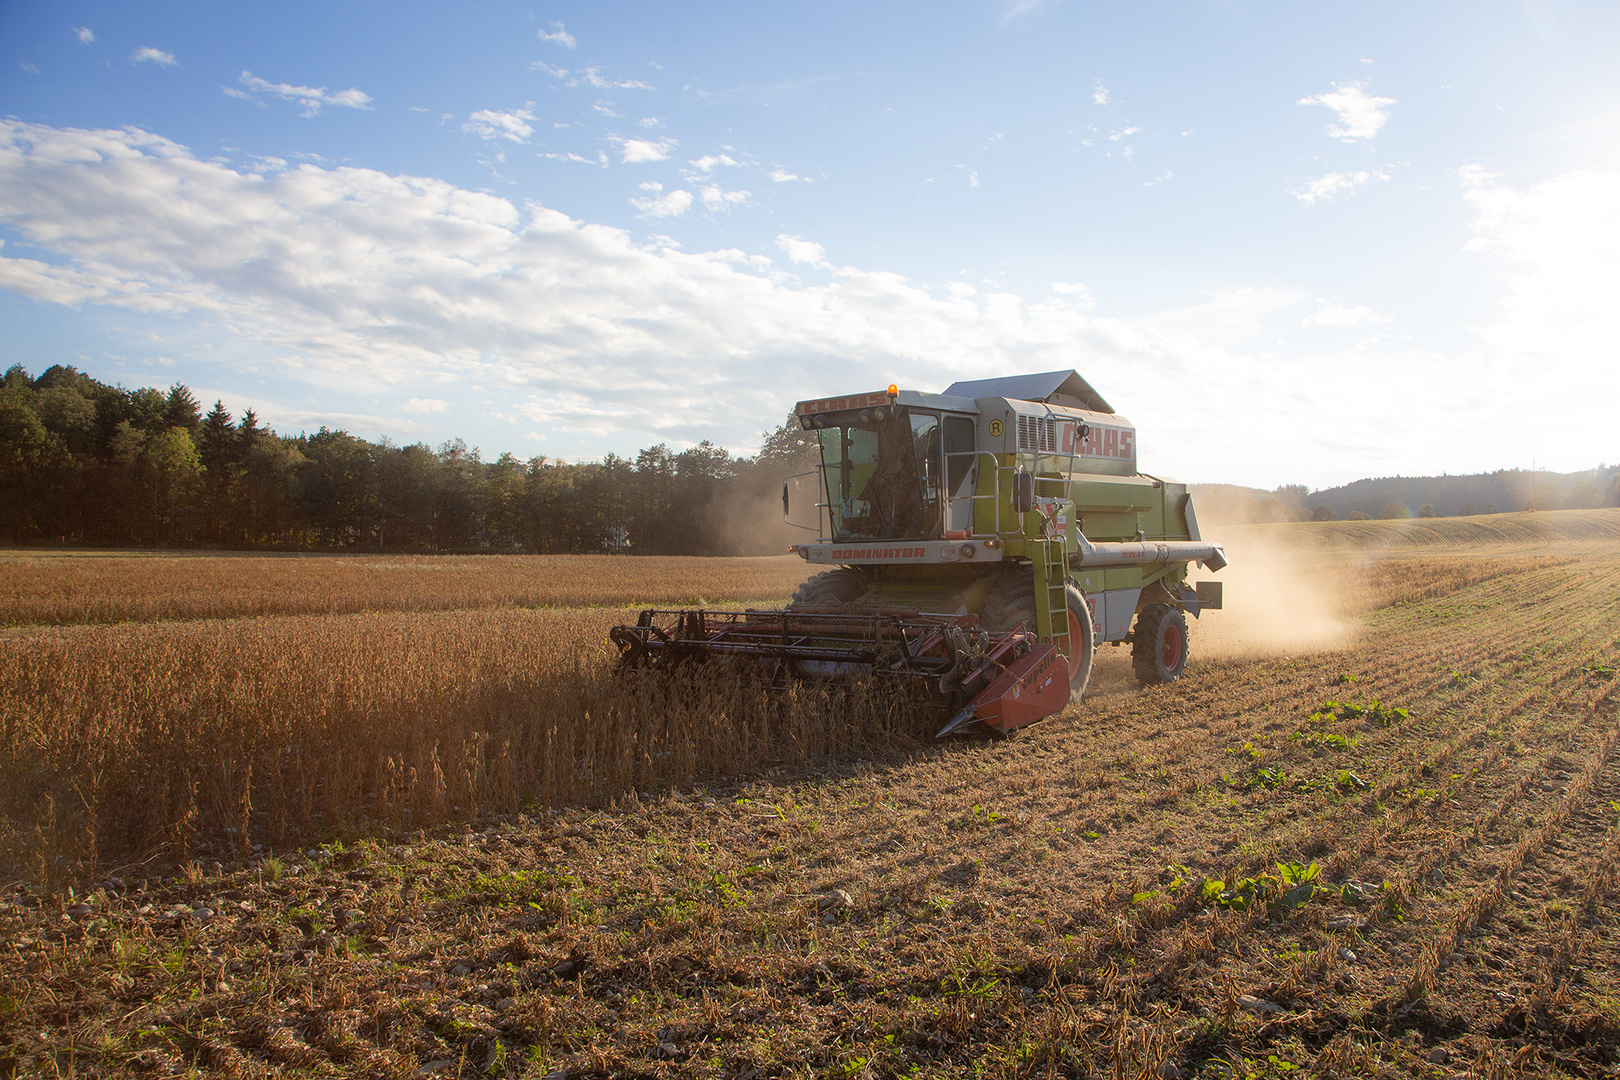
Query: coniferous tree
column 217, row 442
column 219, row 451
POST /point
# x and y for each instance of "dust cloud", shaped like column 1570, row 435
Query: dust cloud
column 749, row 521
column 1278, row 599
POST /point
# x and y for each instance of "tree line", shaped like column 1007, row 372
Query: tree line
column 1393, row 497
column 86, row 463
column 1503, row 491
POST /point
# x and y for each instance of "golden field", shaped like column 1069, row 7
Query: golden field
column 1372, row 832
column 58, row 588
column 217, row 739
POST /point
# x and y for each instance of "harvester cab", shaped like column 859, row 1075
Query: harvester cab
column 984, row 540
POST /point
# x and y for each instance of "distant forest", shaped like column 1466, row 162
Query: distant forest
column 85, row 463
column 1501, row 492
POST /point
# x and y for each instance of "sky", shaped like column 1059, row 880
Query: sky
column 1293, row 243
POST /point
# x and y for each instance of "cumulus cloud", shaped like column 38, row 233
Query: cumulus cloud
column 424, row 405
column 640, row 151
column 1099, row 94
column 715, row 199
column 600, row 160
column 1332, row 313
column 84, row 34
column 1337, row 183
column 559, row 36
column 1361, row 116
column 591, row 76
column 656, row 203
column 354, row 282
column 309, row 98
column 800, row 250
column 493, row 124
column 148, row 55
column 1076, row 292
column 707, row 162
column 782, row 176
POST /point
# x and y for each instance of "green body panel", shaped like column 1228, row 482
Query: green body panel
column 1105, row 508
column 1083, row 461
column 1110, row 508
column 1118, row 577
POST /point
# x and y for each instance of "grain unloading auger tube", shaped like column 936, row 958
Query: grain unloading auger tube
column 1002, row 680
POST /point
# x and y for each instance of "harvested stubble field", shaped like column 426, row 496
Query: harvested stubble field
column 1374, row 831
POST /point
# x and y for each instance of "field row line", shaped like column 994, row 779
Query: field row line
column 1463, row 734
column 1599, row 875
column 1180, row 955
column 1484, row 900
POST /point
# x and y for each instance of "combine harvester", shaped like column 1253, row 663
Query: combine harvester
column 979, row 542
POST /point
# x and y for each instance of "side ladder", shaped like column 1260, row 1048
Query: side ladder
column 1051, row 593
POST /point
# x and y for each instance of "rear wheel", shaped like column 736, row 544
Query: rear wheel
column 830, row 587
column 1011, row 601
column 1159, row 648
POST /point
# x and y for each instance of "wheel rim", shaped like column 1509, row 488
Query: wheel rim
column 1170, row 647
column 1076, row 657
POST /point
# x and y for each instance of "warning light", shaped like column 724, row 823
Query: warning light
column 894, row 391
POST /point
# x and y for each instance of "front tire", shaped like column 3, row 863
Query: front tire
column 1012, row 601
column 830, row 588
column 1159, row 648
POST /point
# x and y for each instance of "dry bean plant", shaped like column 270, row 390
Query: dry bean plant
column 62, row 587
column 220, row 739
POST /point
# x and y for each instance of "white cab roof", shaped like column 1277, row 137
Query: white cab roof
column 1051, row 387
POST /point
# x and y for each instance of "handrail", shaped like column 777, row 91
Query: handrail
column 996, row 470
column 1074, row 443
column 995, row 478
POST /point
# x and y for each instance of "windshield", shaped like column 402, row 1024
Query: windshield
column 883, row 477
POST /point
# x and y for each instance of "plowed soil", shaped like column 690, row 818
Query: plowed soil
column 1384, row 842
